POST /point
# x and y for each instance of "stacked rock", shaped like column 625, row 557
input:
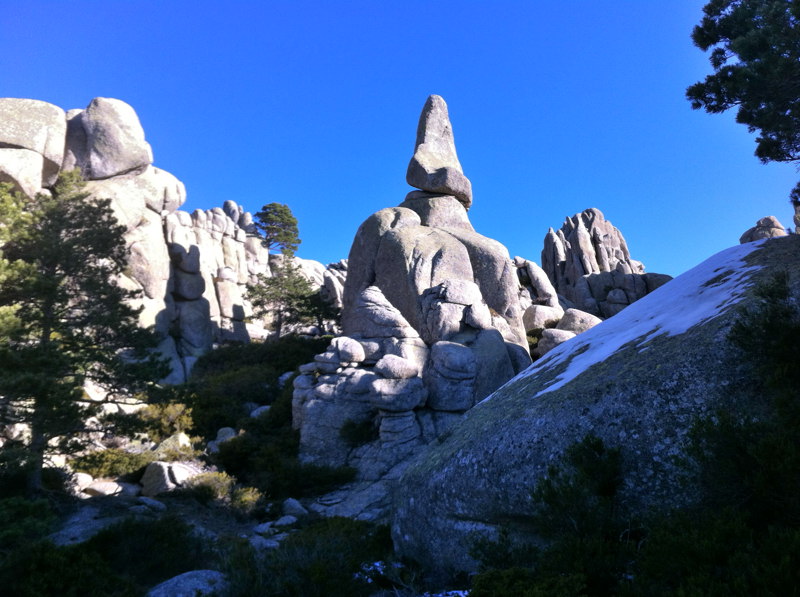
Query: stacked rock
column 432, row 321
column 590, row 266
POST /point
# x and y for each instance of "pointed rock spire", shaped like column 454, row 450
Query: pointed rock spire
column 435, row 167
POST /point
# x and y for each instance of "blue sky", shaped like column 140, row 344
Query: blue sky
column 556, row 107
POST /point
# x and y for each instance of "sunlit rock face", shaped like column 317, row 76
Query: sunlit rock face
column 191, row 268
column 431, row 323
column 638, row 381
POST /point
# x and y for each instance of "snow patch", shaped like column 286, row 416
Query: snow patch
column 697, row 296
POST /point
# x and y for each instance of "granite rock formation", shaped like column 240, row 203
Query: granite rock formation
column 590, row 266
column 431, row 323
column 768, row 227
column 191, row 268
column 610, row 381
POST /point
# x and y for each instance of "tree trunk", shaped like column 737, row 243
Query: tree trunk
column 35, row 463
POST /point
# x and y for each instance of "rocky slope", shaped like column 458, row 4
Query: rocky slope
column 192, row 268
column 637, row 381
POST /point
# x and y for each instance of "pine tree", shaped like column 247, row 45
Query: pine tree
column 278, row 226
column 287, row 295
column 756, row 62
column 63, row 319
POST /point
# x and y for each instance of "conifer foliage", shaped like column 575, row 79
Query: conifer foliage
column 755, row 54
column 64, row 321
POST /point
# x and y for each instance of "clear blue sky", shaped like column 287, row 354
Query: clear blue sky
column 556, row 107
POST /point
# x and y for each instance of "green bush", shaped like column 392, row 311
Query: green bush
column 324, row 559
column 208, row 487
column 113, row 462
column 265, row 456
column 121, row 561
column 23, row 521
column 166, row 419
column 524, row 582
column 245, row 501
column 227, row 378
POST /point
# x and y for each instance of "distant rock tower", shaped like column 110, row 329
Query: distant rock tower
column 590, row 266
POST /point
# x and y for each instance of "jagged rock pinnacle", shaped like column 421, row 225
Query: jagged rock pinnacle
column 435, row 167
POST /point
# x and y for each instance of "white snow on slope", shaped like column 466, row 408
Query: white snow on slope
column 688, row 300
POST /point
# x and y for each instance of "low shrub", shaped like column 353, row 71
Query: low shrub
column 123, row 560
column 325, row 559
column 245, row 501
column 164, row 420
column 208, row 487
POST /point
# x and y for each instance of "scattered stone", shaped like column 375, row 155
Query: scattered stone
column 152, row 504
column 286, row 520
column 577, row 321
column 262, row 543
column 103, row 488
column 292, row 507
column 226, row 433
column 552, row 338
column 257, row 412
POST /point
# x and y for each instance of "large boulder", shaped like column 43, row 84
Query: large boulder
column 37, row 126
column 115, row 141
column 637, row 381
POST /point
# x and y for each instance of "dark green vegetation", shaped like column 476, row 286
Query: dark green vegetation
column 123, row 560
column 289, row 297
column 755, row 54
column 742, row 539
column 332, row 557
column 63, row 319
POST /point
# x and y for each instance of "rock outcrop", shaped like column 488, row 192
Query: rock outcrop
column 589, row 264
column 431, row 323
column 191, row 268
column 768, row 227
column 638, row 381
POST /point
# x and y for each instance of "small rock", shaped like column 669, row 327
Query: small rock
column 285, row 521
column 152, row 504
column 259, row 542
column 225, row 433
column 257, row 412
column 101, row 488
column 292, row 507
column 265, row 528
column 196, row 583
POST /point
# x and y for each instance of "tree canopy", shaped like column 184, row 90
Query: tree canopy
column 755, row 54
column 278, row 226
column 64, row 321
